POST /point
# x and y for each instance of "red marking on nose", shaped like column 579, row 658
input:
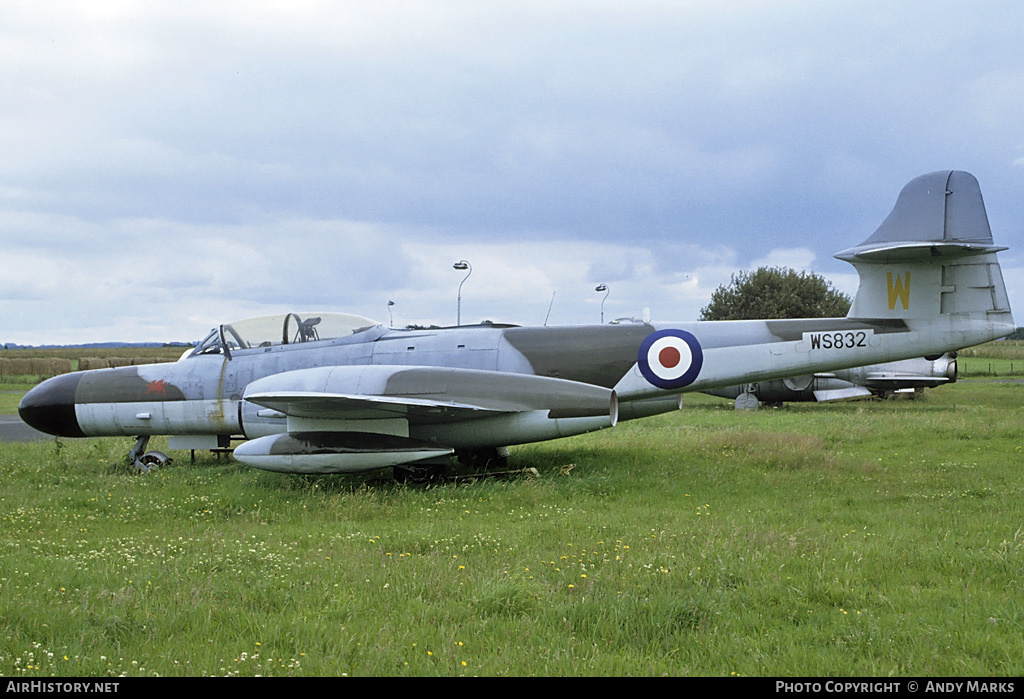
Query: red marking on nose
column 669, row 357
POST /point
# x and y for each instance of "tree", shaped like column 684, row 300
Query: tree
column 775, row 292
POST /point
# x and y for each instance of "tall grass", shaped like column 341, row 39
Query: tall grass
column 1003, row 358
column 1000, row 349
column 879, row 538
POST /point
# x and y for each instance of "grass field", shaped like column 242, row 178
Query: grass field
column 10, row 396
column 155, row 354
column 873, row 538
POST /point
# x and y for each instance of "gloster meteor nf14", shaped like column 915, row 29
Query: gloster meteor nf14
column 330, row 393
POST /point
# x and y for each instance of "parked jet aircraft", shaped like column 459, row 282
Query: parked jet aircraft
column 319, row 393
column 904, row 376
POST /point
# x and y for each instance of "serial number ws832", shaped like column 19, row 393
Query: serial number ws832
column 838, row 339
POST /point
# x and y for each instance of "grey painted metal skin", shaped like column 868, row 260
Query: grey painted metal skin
column 846, row 384
column 930, row 283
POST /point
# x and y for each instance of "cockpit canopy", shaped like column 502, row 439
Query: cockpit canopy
column 281, row 329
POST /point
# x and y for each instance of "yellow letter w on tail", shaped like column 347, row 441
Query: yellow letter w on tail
column 900, row 290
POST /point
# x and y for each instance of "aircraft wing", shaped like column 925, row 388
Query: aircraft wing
column 333, row 413
column 422, row 393
column 339, row 406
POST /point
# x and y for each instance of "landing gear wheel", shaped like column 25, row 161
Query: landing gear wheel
column 147, row 460
column 418, row 473
column 493, row 459
column 746, row 401
column 152, row 459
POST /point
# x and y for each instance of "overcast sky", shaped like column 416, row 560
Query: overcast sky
column 166, row 166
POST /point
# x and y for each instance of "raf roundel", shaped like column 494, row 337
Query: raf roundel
column 670, row 358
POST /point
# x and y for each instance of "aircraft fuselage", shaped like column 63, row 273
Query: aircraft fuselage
column 203, row 395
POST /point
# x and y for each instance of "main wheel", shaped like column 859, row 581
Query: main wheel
column 410, row 473
column 493, row 459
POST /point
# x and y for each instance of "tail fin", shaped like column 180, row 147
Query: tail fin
column 933, row 256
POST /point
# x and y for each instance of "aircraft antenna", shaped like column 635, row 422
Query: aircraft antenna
column 549, row 308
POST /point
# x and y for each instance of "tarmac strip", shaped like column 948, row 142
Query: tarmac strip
column 12, row 429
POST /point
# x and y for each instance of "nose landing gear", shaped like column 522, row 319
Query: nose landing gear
column 144, row 460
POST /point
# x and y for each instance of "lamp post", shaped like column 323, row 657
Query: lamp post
column 462, row 265
column 606, row 290
column 391, row 318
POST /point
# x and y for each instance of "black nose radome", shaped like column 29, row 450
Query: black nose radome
column 50, row 406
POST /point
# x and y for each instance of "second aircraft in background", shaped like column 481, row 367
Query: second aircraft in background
column 909, row 376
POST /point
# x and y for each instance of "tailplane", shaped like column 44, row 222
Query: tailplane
column 933, row 256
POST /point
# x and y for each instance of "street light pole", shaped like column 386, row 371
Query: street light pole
column 606, row 290
column 462, row 264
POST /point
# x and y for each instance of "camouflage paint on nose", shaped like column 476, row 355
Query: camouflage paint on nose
column 50, row 406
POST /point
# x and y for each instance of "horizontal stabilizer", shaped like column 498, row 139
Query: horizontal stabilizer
column 900, row 252
column 892, row 382
column 334, row 452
